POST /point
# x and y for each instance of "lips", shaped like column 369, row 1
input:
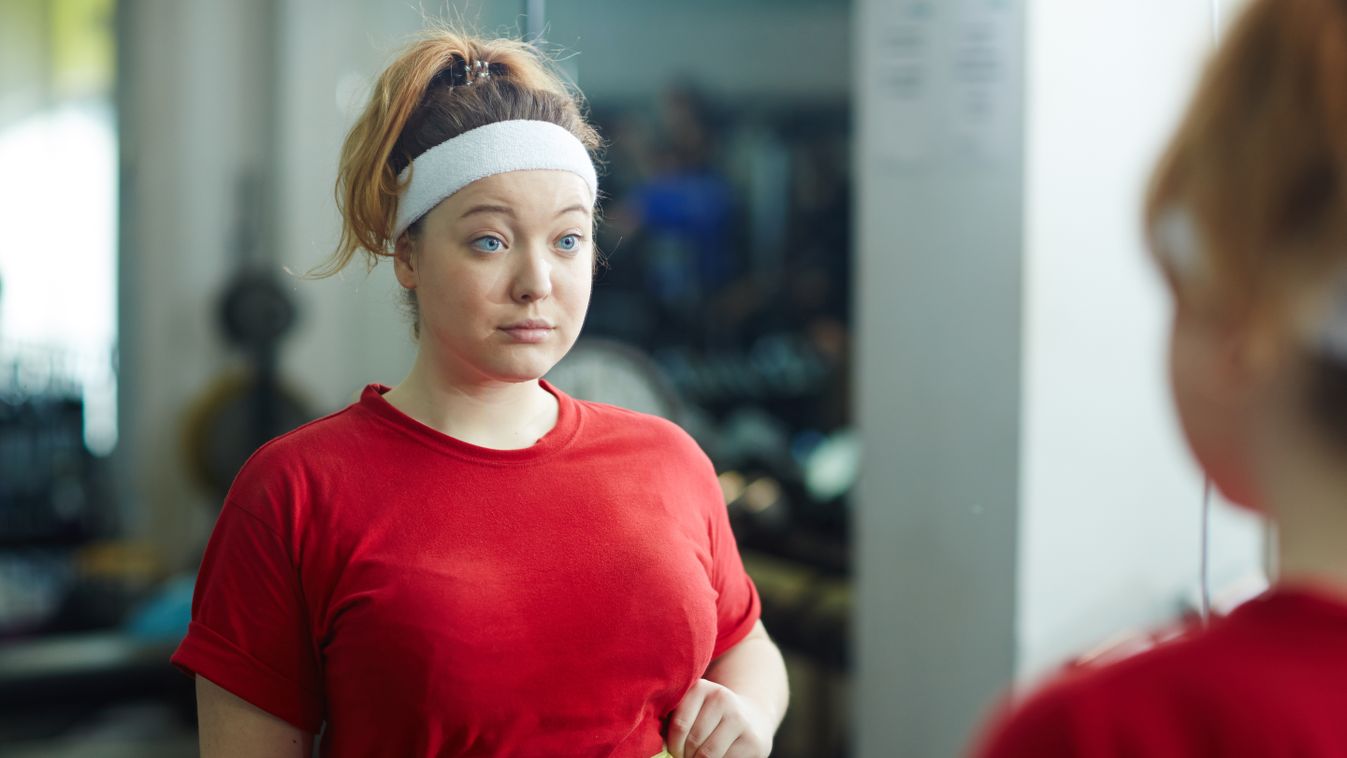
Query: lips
column 533, row 323
column 530, row 331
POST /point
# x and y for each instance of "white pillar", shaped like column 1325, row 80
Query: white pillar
column 939, row 400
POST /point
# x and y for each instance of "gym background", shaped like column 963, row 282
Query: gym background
column 880, row 257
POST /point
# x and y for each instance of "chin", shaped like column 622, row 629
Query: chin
column 1243, row 494
column 1224, row 461
column 517, row 376
column 1234, row 484
column 522, row 371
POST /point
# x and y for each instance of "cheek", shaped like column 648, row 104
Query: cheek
column 453, row 294
column 1183, row 408
column 576, row 281
column 1193, row 398
column 1181, row 373
column 1217, row 432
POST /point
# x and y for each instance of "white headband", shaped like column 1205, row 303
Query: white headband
column 1333, row 339
column 485, row 151
column 1181, row 247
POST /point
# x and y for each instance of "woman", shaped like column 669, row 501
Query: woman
column 1249, row 216
column 472, row 563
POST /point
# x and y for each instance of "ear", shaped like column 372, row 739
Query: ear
column 404, row 261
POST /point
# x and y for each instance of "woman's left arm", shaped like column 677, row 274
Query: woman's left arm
column 734, row 710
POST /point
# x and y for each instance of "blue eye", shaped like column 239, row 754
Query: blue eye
column 488, row 244
column 570, row 243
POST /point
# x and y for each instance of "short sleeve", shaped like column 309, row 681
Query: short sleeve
column 737, row 605
column 249, row 632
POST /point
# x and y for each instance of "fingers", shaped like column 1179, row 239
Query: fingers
column 747, row 747
column 731, row 738
column 718, row 743
column 710, row 723
column 684, row 720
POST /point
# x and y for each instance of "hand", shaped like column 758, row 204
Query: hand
column 713, row 722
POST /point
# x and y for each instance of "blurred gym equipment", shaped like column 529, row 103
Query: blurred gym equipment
column 244, row 408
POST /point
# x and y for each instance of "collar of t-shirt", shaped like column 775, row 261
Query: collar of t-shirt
column 568, row 423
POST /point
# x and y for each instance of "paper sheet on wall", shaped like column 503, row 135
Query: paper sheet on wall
column 943, row 81
column 903, row 81
column 981, row 81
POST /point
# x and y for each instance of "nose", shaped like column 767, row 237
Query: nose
column 532, row 277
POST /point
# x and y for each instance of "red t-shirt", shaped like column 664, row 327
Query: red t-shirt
column 421, row 596
column 1269, row 680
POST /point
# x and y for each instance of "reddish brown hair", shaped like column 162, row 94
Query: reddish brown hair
column 1260, row 159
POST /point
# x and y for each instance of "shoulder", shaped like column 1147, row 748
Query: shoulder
column 1155, row 699
column 611, row 419
column 319, row 436
column 1040, row 725
column 284, row 466
column 655, row 446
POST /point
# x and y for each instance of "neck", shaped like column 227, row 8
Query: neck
column 1308, row 500
column 488, row 413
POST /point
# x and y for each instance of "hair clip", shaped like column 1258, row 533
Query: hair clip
column 463, row 72
column 476, row 70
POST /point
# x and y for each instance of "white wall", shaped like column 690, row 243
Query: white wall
column 1110, row 498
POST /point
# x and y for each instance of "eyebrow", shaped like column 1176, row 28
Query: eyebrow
column 508, row 211
column 502, row 209
column 577, row 208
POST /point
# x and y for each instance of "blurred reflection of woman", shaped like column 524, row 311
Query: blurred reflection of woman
column 472, row 563
column 1249, row 217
